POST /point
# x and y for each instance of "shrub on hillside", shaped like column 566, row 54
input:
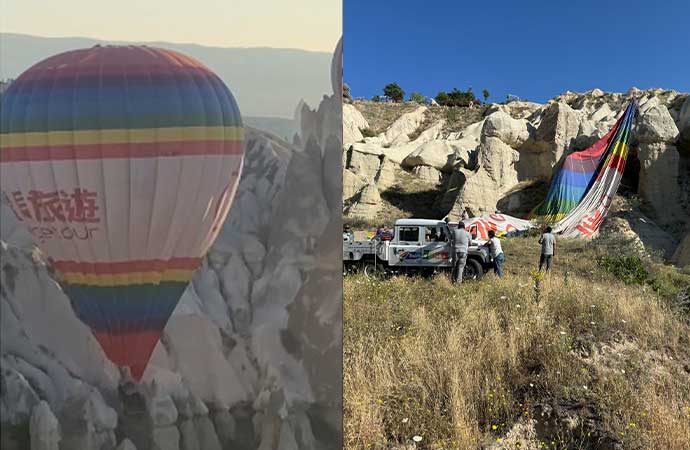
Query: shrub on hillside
column 368, row 132
column 441, row 98
column 417, row 98
column 460, row 98
column 628, row 269
column 456, row 97
column 394, row 91
column 452, row 115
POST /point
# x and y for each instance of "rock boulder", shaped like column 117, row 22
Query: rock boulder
column 555, row 136
column 352, row 184
column 684, row 115
column 655, row 125
column 478, row 191
column 516, row 110
column 400, row 130
column 681, row 257
column 44, row 428
column 363, row 164
column 500, row 125
column 436, row 154
column 428, row 173
column 353, row 123
column 367, row 204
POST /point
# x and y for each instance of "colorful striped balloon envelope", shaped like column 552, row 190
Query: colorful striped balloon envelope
column 122, row 162
column 585, row 219
column 582, row 169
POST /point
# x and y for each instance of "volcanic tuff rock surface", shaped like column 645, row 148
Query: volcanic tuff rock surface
column 250, row 357
column 509, row 155
column 682, row 255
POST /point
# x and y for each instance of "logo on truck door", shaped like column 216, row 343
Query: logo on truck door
column 436, row 254
column 409, row 255
column 426, row 254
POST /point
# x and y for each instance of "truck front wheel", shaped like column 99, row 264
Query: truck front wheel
column 473, row 270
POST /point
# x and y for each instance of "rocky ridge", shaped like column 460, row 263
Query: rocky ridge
column 506, row 159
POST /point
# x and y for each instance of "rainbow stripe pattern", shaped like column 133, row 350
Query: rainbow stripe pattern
column 582, row 169
column 123, row 162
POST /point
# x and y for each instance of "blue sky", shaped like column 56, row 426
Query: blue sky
column 533, row 49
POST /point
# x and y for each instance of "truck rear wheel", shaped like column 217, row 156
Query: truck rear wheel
column 473, row 270
column 370, row 270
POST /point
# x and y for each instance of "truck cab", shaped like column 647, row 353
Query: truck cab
column 417, row 246
column 420, row 242
column 426, row 245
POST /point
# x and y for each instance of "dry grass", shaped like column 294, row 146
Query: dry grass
column 595, row 364
column 381, row 115
column 457, row 119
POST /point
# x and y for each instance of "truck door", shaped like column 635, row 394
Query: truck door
column 436, row 251
column 406, row 248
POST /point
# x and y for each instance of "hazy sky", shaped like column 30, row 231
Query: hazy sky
column 307, row 24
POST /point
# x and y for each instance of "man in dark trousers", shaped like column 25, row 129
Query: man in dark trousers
column 494, row 246
column 461, row 243
column 548, row 249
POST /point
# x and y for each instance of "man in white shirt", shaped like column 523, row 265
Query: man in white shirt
column 496, row 251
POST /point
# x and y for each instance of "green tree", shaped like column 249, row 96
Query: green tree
column 376, row 99
column 442, row 98
column 460, row 98
column 485, row 94
column 394, row 91
column 417, row 98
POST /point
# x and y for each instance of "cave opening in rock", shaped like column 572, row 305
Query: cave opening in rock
column 631, row 175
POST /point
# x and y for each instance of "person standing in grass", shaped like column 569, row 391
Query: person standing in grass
column 548, row 249
column 348, row 235
column 496, row 251
column 461, row 243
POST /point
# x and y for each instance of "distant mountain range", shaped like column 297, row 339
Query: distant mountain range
column 267, row 82
column 283, row 128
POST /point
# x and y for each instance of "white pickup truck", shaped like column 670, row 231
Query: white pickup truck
column 417, row 246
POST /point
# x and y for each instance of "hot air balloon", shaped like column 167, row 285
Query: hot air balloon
column 122, row 162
